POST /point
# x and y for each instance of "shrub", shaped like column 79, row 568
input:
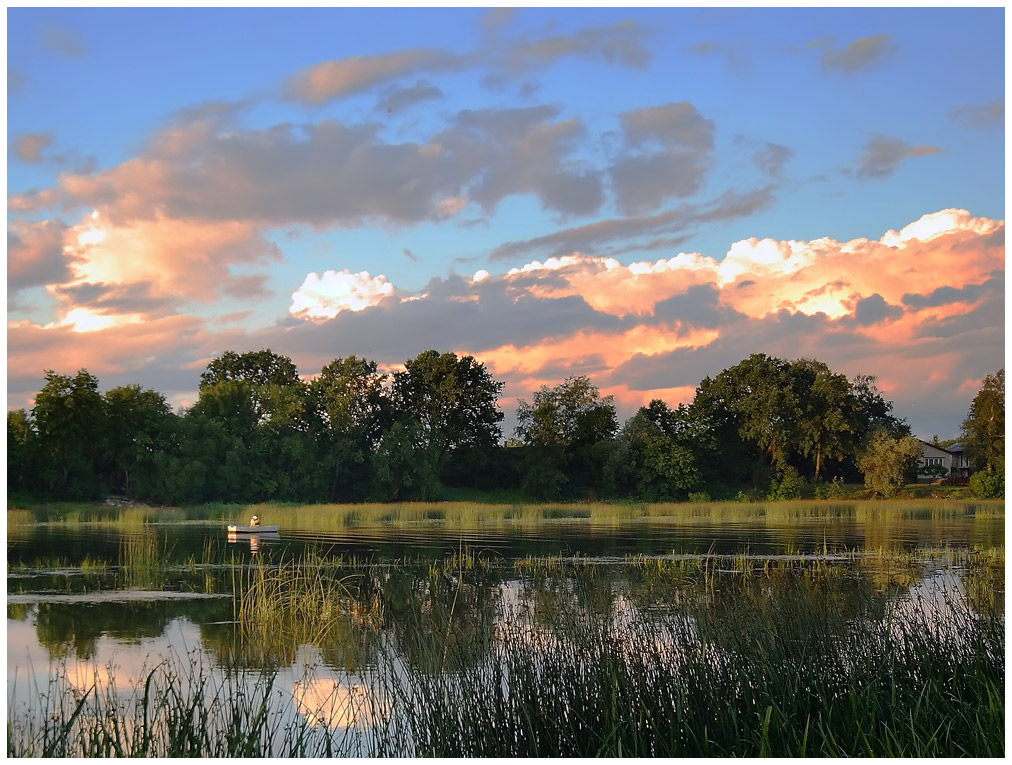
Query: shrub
column 988, row 485
column 787, row 485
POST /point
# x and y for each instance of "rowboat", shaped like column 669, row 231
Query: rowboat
column 234, row 529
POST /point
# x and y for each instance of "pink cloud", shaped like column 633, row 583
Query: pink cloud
column 340, row 77
column 179, row 257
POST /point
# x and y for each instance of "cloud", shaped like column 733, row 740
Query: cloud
column 181, row 258
column 981, row 117
column 593, row 237
column 860, row 54
column 644, row 183
column 35, row 253
column 873, row 310
column 343, row 77
column 674, row 124
column 620, row 43
column 771, row 159
column 324, row 297
column 664, row 158
column 28, row 146
column 525, row 150
column 16, row 79
column 882, row 155
column 941, row 296
column 397, row 99
column 64, row 42
column 328, row 172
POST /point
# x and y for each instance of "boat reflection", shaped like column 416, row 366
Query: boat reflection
column 255, row 540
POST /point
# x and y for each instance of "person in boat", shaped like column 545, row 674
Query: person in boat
column 254, row 521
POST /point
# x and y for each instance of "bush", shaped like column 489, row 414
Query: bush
column 988, row 485
column 787, row 485
column 832, row 490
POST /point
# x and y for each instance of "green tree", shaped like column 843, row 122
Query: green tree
column 270, row 449
column 569, row 428
column 138, row 426
column 755, row 398
column 655, row 455
column 984, row 426
column 355, row 409
column 22, row 452
column 454, row 403
column 828, row 409
column 887, row 461
column 69, row 415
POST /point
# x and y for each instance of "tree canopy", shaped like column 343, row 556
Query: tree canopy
column 260, row 431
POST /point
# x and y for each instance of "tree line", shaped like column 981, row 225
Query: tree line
column 259, row 432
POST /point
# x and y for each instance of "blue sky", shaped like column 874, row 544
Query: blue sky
column 229, row 156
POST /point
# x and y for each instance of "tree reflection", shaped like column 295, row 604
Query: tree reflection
column 442, row 621
column 74, row 628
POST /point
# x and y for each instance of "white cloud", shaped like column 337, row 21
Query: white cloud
column 324, row 297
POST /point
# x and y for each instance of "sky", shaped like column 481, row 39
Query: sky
column 645, row 197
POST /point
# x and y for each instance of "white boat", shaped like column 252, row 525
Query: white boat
column 234, row 529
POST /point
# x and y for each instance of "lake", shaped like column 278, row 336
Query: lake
column 336, row 634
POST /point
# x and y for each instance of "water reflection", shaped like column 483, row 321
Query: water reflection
column 335, row 623
column 254, row 540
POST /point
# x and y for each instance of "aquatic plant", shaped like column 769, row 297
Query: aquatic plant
column 691, row 656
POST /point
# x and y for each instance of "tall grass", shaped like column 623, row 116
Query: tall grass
column 462, row 514
column 703, row 657
column 279, row 607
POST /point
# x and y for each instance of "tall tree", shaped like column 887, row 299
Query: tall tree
column 887, row 462
column 984, row 426
column 756, row 401
column 454, row 402
column 355, row 411
column 69, row 416
column 828, row 409
column 138, row 426
column 259, row 401
column 569, row 428
column 654, row 460
column 22, row 452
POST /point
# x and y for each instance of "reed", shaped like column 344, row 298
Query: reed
column 698, row 656
column 282, row 606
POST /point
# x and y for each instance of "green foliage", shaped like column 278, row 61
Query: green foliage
column 984, row 427
column 655, row 458
column 258, row 432
column 988, row 485
column 835, row 489
column 887, row 462
column 69, row 418
column 569, row 428
column 933, row 471
column 787, row 484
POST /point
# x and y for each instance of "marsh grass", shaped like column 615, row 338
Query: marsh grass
column 282, row 606
column 463, row 514
column 703, row 656
column 183, row 707
column 331, row 517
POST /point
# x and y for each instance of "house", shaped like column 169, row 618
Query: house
column 952, row 459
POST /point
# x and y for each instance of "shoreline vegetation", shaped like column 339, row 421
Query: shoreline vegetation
column 785, row 659
column 260, row 431
column 335, row 516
